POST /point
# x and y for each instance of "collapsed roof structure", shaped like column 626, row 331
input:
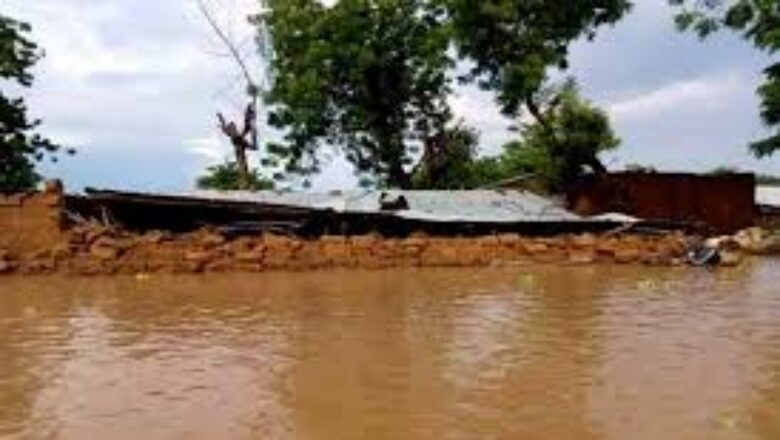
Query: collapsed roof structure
column 390, row 213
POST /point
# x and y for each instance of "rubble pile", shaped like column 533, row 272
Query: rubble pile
column 758, row 241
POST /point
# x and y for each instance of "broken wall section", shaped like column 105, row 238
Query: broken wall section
column 31, row 222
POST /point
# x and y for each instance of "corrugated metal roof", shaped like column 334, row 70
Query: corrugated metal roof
column 768, row 195
column 445, row 206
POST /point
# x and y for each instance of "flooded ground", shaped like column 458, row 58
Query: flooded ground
column 535, row 353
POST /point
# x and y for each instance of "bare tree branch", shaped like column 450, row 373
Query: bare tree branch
column 243, row 137
column 231, row 46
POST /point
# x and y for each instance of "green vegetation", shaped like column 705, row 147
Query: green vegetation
column 449, row 162
column 513, row 44
column 639, row 168
column 565, row 141
column 723, row 170
column 227, row 176
column 768, row 180
column 366, row 76
column 20, row 145
column 761, row 179
column 372, row 78
column 759, row 22
column 555, row 153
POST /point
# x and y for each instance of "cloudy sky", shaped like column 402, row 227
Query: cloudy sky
column 134, row 86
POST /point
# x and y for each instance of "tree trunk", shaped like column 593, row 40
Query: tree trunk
column 597, row 166
column 536, row 112
column 242, row 166
column 238, row 138
column 399, row 178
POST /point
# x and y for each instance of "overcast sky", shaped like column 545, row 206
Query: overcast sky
column 134, row 86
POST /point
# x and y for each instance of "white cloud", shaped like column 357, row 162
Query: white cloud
column 73, row 37
column 210, row 148
column 478, row 109
column 127, row 74
column 703, row 95
column 70, row 139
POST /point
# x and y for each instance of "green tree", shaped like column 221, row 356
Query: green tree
column 449, row 162
column 558, row 150
column 724, row 170
column 371, row 77
column 518, row 159
column 20, row 145
column 367, row 78
column 768, row 180
column 243, row 134
column 569, row 138
column 758, row 21
column 513, row 44
column 227, row 176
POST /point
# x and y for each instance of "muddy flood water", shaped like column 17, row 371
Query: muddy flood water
column 527, row 352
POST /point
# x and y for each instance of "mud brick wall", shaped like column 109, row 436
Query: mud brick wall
column 96, row 250
column 30, row 222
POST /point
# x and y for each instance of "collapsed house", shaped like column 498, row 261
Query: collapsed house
column 388, row 213
column 107, row 231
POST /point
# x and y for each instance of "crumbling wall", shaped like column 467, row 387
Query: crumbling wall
column 30, row 222
column 94, row 249
column 33, row 241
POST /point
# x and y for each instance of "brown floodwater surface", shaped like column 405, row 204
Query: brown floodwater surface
column 516, row 353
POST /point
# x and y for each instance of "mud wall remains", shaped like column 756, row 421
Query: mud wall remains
column 30, row 222
column 97, row 250
column 34, row 240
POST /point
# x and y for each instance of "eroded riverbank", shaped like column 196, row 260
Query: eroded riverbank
column 609, row 352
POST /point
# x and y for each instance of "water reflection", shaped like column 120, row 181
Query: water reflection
column 599, row 352
column 686, row 365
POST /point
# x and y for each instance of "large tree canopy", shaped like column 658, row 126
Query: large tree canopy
column 557, row 151
column 759, row 22
column 554, row 154
column 20, row 146
column 372, row 77
column 366, row 76
column 449, row 164
column 568, row 139
column 513, row 44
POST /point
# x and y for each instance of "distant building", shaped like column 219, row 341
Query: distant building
column 723, row 202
